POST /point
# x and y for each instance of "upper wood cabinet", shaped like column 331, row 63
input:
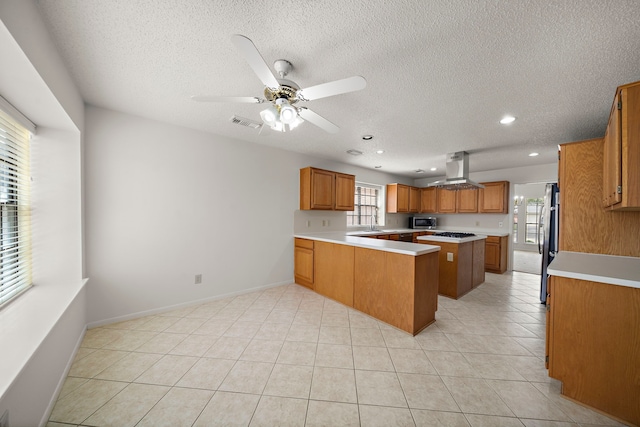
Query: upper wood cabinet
column 414, row 200
column 494, row 197
column 428, row 200
column 621, row 168
column 326, row 190
column 467, row 201
column 345, row 192
column 397, row 198
column 446, row 201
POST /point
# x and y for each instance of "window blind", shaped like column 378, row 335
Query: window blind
column 15, row 210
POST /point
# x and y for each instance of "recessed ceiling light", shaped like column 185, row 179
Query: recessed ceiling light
column 354, row 152
column 433, row 169
column 367, row 137
column 507, row 119
column 419, row 171
column 380, row 151
column 533, row 154
column 377, row 167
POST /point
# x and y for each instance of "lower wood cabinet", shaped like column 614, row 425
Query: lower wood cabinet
column 495, row 254
column 593, row 344
column 303, row 262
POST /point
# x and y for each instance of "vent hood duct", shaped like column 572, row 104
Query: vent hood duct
column 457, row 177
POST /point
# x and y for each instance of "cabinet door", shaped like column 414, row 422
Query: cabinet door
column 467, row 201
column 345, row 192
column 612, row 176
column 397, row 198
column 414, row 199
column 303, row 266
column 322, row 189
column 429, row 200
column 446, row 201
column 491, row 256
column 493, row 198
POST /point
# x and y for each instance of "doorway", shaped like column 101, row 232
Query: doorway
column 525, row 230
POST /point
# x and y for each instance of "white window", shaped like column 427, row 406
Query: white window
column 15, row 211
column 368, row 206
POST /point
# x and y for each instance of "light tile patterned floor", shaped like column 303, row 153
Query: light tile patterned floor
column 289, row 357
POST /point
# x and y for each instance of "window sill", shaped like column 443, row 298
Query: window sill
column 26, row 323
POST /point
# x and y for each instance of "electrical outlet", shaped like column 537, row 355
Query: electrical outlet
column 308, row 223
column 197, row 282
column 324, row 222
column 500, row 224
column 4, row 420
column 477, row 223
column 329, row 223
column 450, row 256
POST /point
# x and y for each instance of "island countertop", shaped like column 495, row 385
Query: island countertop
column 435, row 238
column 405, row 248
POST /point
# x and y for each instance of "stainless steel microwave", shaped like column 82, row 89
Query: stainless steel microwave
column 426, row 222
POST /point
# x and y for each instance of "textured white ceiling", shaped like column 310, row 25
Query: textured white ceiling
column 440, row 73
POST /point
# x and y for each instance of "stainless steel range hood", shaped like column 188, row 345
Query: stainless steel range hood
column 457, row 177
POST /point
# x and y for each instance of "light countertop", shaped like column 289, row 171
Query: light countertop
column 339, row 237
column 452, row 239
column 614, row 270
column 478, row 231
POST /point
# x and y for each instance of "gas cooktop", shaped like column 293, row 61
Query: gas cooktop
column 454, row 235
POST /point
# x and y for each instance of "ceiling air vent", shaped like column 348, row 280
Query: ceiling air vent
column 245, row 122
column 354, row 152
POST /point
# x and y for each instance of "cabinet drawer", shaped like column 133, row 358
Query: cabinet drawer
column 304, row 243
column 493, row 239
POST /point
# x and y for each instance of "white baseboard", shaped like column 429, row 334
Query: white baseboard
column 182, row 305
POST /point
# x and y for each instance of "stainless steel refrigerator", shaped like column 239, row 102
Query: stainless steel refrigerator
column 548, row 242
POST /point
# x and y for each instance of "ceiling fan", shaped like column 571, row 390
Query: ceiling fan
column 283, row 94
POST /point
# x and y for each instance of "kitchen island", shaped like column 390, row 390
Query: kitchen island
column 461, row 262
column 395, row 282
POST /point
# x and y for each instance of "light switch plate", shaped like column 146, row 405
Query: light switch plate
column 450, row 256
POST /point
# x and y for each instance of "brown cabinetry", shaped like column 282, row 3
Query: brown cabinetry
column 414, row 200
column 429, row 200
column 401, row 290
column 584, row 225
column 303, row 262
column 398, row 198
column 494, row 197
column 446, row 201
column 326, row 190
column 333, row 270
column 593, row 344
column 467, row 201
column 495, row 254
column 621, row 168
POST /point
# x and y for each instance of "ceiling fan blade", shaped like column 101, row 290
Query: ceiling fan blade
column 243, row 99
column 336, row 87
column 255, row 60
column 317, row 120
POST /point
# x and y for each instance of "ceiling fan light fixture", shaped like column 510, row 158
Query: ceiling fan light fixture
column 269, row 116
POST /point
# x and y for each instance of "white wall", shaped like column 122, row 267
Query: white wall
column 43, row 326
column 165, row 203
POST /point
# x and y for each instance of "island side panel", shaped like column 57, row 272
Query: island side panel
column 594, row 346
column 398, row 291
column 478, row 262
column 426, row 291
column 369, row 279
column 333, row 269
